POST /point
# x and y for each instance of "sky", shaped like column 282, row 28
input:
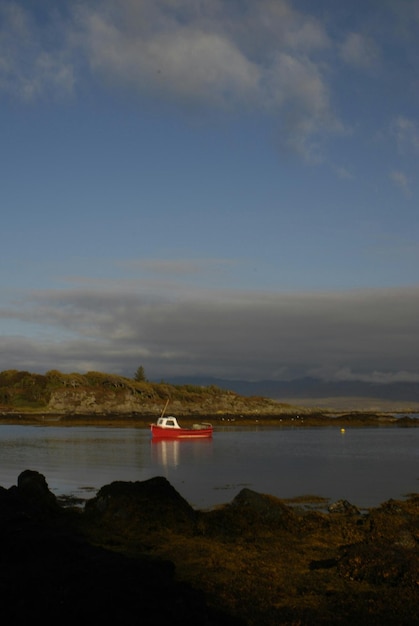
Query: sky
column 220, row 188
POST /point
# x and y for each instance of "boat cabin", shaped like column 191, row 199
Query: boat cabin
column 168, row 422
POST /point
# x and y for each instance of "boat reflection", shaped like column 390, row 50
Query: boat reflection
column 173, row 452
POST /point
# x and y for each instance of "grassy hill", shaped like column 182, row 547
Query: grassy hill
column 101, row 393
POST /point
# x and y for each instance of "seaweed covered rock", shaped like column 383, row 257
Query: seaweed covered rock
column 151, row 503
column 344, row 507
column 255, row 559
column 250, row 514
column 380, row 564
column 266, row 508
column 51, row 573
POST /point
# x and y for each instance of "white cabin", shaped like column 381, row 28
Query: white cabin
column 168, row 422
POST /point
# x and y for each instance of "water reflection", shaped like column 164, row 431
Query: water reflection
column 165, row 453
column 365, row 466
column 171, row 453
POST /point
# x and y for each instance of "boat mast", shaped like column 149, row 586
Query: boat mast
column 165, row 407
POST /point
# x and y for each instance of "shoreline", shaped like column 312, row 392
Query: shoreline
column 256, row 560
column 294, row 419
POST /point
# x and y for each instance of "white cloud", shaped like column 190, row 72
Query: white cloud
column 257, row 56
column 185, row 62
column 263, row 56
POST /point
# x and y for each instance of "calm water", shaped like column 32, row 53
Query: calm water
column 365, row 466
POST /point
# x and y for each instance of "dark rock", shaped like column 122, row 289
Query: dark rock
column 268, row 508
column 153, row 503
column 323, row 564
column 30, row 500
column 265, row 561
column 407, row 422
column 34, row 492
column 50, row 573
column 392, row 507
column 249, row 515
column 343, row 506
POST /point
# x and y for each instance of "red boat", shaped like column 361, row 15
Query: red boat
column 168, row 428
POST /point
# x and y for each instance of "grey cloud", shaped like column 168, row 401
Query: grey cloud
column 376, row 376
column 360, row 51
column 22, row 353
column 251, row 335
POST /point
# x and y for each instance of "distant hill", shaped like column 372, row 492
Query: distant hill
column 310, row 388
column 95, row 393
column 99, row 393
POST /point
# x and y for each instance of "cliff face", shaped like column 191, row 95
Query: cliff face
column 127, row 401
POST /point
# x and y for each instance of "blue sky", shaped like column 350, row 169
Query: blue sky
column 215, row 188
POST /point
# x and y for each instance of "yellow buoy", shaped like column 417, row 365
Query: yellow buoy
column 342, row 430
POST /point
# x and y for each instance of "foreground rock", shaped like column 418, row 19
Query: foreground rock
column 268, row 562
column 139, row 554
column 50, row 573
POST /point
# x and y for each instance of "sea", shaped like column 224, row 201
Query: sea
column 365, row 466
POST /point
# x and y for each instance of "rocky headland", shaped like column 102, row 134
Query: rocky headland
column 97, row 397
column 139, row 553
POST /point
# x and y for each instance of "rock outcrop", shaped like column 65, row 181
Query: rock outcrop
column 129, row 402
column 257, row 560
column 50, row 574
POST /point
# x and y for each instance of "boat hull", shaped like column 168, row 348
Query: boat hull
column 158, row 432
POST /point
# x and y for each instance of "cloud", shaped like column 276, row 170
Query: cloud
column 185, row 63
column 246, row 57
column 343, row 173
column 376, row 377
column 248, row 334
column 406, row 134
column 180, row 267
column 265, row 57
column 359, row 51
column 30, row 67
column 400, row 180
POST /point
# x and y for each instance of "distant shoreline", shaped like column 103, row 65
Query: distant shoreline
column 292, row 419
